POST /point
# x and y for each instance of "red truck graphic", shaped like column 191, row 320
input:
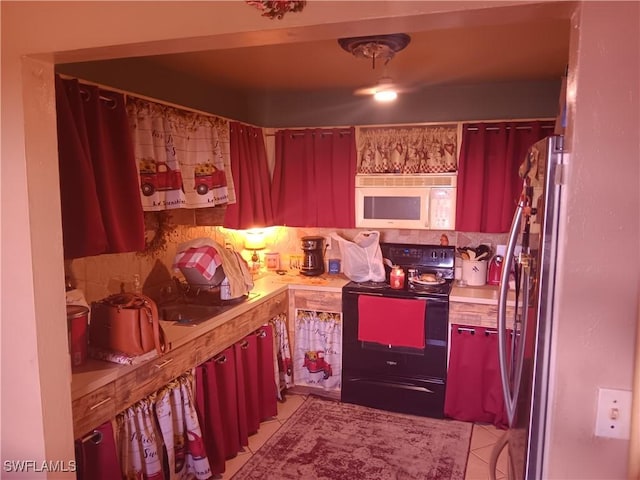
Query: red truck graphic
column 314, row 362
column 207, row 176
column 157, row 176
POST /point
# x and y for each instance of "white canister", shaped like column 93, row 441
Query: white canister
column 474, row 272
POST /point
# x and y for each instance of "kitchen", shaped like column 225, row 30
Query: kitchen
column 20, row 280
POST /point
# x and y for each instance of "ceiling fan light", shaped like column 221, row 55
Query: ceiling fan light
column 385, row 95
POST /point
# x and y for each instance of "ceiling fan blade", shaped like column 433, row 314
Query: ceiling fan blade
column 366, row 91
column 385, row 83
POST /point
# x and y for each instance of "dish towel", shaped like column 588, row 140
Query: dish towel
column 237, row 272
column 397, row 322
column 204, row 259
column 235, row 267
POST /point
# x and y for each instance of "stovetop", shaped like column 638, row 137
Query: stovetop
column 434, row 259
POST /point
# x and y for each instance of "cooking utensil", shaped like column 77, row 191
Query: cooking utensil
column 482, row 249
column 482, row 255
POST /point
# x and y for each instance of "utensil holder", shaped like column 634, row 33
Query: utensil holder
column 474, row 272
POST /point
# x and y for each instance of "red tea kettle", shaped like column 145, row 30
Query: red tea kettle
column 494, row 272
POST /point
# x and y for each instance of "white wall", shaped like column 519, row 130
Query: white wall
column 598, row 302
column 36, row 415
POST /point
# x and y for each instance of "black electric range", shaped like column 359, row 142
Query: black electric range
column 392, row 371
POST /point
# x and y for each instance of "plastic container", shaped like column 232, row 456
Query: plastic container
column 474, row 272
column 334, row 265
column 272, row 260
column 225, row 289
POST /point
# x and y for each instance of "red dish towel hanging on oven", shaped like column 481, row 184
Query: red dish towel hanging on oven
column 398, row 322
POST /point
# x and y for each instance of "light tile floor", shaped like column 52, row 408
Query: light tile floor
column 482, row 440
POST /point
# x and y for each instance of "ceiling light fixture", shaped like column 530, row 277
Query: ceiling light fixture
column 375, row 47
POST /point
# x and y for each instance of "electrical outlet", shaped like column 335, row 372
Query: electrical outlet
column 613, row 418
column 327, row 242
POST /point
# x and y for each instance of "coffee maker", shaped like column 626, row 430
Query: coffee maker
column 313, row 258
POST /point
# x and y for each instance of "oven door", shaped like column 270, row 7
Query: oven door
column 405, row 378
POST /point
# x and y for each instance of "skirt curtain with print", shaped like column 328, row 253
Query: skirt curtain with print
column 318, row 349
column 160, row 437
column 284, row 370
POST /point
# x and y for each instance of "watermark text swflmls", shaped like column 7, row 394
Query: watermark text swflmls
column 25, row 466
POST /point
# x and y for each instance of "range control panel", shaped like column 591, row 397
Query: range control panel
column 427, row 256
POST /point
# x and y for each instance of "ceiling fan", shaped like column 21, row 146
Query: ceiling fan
column 385, row 90
column 378, row 48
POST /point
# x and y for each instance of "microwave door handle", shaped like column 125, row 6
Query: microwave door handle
column 427, row 212
column 509, row 398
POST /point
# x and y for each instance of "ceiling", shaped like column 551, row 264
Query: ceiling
column 534, row 49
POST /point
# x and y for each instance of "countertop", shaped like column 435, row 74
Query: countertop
column 485, row 294
column 326, row 282
column 96, row 373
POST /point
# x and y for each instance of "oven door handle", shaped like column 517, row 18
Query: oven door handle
column 406, row 386
column 408, row 297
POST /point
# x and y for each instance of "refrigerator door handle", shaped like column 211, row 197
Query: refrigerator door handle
column 520, row 340
column 509, row 397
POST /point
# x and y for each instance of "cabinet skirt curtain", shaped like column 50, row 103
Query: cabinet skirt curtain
column 474, row 387
column 317, row 360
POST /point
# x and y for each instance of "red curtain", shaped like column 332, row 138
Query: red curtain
column 314, row 178
column 99, row 191
column 251, row 179
column 474, row 385
column 488, row 181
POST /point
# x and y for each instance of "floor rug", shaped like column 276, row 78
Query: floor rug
column 326, row 439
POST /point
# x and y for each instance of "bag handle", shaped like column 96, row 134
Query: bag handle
column 152, row 311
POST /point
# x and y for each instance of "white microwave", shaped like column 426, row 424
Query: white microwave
column 426, row 201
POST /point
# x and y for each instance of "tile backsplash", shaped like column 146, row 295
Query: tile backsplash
column 103, row 275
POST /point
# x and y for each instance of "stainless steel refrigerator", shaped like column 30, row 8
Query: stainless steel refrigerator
column 525, row 341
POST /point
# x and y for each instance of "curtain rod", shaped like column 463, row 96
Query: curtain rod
column 150, row 99
column 475, row 129
column 436, row 124
column 300, row 134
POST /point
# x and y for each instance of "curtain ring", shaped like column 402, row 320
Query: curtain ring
column 95, row 437
column 220, row 359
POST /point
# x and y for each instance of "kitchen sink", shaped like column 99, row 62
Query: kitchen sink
column 189, row 313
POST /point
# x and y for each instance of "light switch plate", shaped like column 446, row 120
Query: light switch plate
column 613, row 418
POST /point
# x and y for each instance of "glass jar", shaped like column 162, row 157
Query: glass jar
column 397, row 278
